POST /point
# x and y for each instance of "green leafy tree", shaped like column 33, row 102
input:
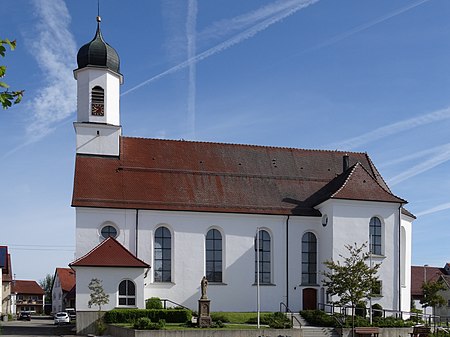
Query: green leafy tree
column 353, row 279
column 46, row 284
column 7, row 97
column 431, row 296
column 99, row 298
column 98, row 295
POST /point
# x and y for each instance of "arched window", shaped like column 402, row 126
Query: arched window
column 97, row 101
column 163, row 255
column 108, row 231
column 309, row 259
column 264, row 257
column 375, row 236
column 127, row 293
column 214, row 256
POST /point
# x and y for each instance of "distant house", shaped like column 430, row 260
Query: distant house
column 63, row 289
column 5, row 280
column 29, row 296
column 420, row 274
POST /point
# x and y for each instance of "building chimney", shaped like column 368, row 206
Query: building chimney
column 345, row 162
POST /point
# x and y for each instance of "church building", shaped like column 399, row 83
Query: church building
column 153, row 216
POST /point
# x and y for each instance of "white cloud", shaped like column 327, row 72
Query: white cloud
column 53, row 47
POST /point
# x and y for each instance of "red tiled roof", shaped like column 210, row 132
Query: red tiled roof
column 196, row 176
column 418, row 275
column 26, row 287
column 109, row 253
column 66, row 277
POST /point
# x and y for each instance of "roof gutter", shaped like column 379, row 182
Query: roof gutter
column 136, row 232
column 287, row 261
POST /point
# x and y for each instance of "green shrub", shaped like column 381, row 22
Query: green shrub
column 218, row 324
column 279, row 320
column 263, row 319
column 377, row 310
column 131, row 315
column 144, row 323
column 220, row 316
column 318, row 318
column 361, row 310
column 153, row 303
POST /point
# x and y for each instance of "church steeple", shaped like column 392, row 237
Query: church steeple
column 98, row 78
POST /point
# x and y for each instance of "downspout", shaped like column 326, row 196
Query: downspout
column 287, row 261
column 136, row 231
column 399, row 260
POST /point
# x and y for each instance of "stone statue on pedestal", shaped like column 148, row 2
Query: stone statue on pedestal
column 204, row 318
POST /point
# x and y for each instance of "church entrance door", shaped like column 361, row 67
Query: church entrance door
column 309, row 299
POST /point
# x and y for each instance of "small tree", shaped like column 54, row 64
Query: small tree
column 46, row 284
column 8, row 98
column 99, row 298
column 353, row 279
column 431, row 296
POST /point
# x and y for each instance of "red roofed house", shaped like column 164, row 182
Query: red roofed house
column 420, row 274
column 189, row 209
column 29, row 296
column 63, row 292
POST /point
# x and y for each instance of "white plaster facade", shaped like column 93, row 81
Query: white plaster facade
column 348, row 222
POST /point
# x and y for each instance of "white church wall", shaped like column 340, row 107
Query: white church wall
column 111, row 278
column 351, row 225
column 97, row 139
column 406, row 247
column 89, row 222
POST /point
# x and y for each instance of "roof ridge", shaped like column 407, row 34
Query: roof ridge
column 352, row 169
column 244, row 145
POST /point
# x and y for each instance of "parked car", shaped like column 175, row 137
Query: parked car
column 25, row 316
column 72, row 313
column 61, row 318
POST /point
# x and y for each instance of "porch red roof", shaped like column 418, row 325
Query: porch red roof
column 109, row 253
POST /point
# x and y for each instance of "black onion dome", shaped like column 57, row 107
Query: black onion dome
column 98, row 53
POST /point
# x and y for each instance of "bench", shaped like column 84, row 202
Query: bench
column 367, row 331
column 420, row 331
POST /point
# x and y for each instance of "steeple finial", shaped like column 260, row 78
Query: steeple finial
column 99, row 19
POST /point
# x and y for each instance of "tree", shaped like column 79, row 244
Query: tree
column 98, row 295
column 352, row 280
column 431, row 296
column 8, row 98
column 46, row 284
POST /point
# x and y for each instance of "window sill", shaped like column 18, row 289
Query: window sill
column 217, row 284
column 265, row 284
column 309, row 285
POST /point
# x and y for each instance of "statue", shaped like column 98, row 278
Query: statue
column 204, row 285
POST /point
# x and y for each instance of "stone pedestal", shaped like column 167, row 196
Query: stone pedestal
column 204, row 319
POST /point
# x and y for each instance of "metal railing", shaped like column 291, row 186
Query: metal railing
column 165, row 301
column 287, row 310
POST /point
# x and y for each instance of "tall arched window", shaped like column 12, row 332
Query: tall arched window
column 127, row 293
column 264, row 257
column 97, row 101
column 163, row 255
column 375, row 236
column 309, row 258
column 214, row 256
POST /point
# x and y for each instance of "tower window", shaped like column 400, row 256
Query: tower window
column 97, row 101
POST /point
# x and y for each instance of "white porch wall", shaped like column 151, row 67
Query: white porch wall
column 110, row 277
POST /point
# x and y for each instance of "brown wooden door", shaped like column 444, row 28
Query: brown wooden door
column 309, row 299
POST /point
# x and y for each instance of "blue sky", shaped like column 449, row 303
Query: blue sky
column 357, row 75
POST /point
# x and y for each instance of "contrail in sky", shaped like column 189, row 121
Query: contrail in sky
column 442, row 157
column 191, row 51
column 259, row 27
column 435, row 209
column 392, row 129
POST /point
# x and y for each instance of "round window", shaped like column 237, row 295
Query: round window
column 108, row 231
column 325, row 220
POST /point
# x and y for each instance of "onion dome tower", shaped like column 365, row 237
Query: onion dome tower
column 98, row 78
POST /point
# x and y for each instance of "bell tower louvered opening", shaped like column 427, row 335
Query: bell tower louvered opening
column 97, row 101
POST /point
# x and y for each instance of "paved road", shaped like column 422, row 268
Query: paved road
column 36, row 327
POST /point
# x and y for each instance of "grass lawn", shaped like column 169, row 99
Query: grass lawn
column 238, row 317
